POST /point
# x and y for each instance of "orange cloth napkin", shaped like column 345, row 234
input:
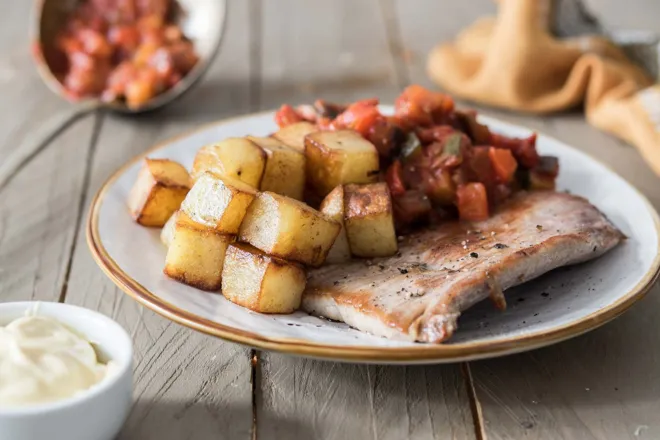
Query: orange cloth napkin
column 513, row 61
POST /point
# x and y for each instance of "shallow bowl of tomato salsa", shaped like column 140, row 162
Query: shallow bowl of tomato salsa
column 131, row 55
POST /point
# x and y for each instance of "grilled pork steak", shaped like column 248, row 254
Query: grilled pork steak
column 418, row 294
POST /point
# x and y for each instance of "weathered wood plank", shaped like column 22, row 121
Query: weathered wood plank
column 330, row 50
column 304, row 398
column 187, row 385
column 39, row 209
column 601, row 385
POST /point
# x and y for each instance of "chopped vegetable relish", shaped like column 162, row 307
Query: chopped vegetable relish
column 439, row 162
column 122, row 50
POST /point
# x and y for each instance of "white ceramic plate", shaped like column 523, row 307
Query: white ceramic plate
column 555, row 307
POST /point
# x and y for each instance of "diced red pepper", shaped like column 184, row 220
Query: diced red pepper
column 472, row 202
column 286, row 115
column 394, row 178
column 504, row 164
column 480, row 166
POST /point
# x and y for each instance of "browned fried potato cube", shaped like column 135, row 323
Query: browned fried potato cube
column 339, row 157
column 289, row 229
column 333, row 207
column 218, row 202
column 160, row 188
column 237, row 158
column 294, row 135
column 285, row 168
column 196, row 255
column 369, row 220
column 260, row 282
column 167, row 233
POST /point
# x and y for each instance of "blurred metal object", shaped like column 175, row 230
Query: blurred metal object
column 571, row 18
column 202, row 21
column 642, row 47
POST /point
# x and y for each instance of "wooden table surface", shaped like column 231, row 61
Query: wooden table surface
column 605, row 384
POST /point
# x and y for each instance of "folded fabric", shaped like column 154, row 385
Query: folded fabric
column 513, row 61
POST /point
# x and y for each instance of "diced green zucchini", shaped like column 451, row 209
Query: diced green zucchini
column 411, row 148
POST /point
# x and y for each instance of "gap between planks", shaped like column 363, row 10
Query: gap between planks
column 256, row 55
column 98, row 123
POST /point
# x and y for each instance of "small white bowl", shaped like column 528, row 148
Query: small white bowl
column 95, row 414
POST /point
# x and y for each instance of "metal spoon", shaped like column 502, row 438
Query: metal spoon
column 202, row 21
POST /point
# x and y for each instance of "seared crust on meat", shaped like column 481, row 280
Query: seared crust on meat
column 419, row 293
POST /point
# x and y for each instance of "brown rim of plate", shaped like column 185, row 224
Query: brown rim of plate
column 419, row 353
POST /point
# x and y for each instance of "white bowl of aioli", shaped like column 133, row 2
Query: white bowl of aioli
column 95, row 413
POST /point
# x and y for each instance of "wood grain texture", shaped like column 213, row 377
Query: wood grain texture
column 304, row 398
column 187, row 385
column 602, row 385
column 599, row 386
column 330, row 50
column 40, row 208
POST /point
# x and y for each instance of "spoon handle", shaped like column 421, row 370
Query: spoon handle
column 37, row 141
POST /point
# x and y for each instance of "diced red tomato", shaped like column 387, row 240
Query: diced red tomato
column 94, row 43
column 286, row 115
column 524, row 150
column 125, row 37
column 503, row 164
column 394, row 178
column 480, row 166
column 420, row 106
column 360, row 116
column 472, row 202
column 101, row 35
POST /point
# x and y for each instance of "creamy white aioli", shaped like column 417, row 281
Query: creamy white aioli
column 42, row 360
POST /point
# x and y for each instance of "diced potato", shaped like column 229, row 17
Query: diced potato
column 285, row 168
column 160, row 188
column 368, row 220
column 167, row 233
column 333, row 207
column 234, row 157
column 294, row 135
column 288, row 229
column 218, row 202
column 196, row 255
column 339, row 157
column 261, row 282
